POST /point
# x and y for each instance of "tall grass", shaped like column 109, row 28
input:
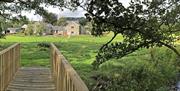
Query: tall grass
column 144, row 70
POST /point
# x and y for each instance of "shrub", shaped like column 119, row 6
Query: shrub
column 133, row 73
column 43, row 44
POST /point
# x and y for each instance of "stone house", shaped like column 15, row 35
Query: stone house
column 72, row 28
column 23, row 28
column 58, row 30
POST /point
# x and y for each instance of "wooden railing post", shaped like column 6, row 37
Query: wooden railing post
column 9, row 64
column 1, row 85
column 65, row 77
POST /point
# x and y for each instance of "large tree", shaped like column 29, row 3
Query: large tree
column 3, row 26
column 62, row 21
column 18, row 21
column 83, row 21
column 143, row 24
column 50, row 18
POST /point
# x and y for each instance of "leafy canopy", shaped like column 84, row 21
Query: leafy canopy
column 143, row 24
column 50, row 18
column 83, row 21
column 62, row 21
column 9, row 7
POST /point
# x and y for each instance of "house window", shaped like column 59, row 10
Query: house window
column 72, row 26
column 72, row 32
column 8, row 31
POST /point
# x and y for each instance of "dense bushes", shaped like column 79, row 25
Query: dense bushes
column 153, row 70
column 35, row 29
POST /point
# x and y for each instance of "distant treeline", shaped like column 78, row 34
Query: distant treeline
column 74, row 18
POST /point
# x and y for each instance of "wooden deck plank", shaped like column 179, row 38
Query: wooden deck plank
column 32, row 79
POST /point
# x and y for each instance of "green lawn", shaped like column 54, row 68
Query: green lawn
column 80, row 51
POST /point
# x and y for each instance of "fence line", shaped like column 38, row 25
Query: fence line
column 9, row 64
column 65, row 77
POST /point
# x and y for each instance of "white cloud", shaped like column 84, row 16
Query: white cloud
column 32, row 16
column 65, row 13
column 125, row 2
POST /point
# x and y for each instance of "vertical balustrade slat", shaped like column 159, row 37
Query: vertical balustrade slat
column 0, row 72
column 9, row 64
column 3, row 67
column 65, row 77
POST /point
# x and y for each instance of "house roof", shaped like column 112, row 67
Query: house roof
column 73, row 22
column 59, row 28
column 13, row 29
column 49, row 26
column 24, row 26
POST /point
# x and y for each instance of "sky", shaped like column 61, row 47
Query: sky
column 65, row 13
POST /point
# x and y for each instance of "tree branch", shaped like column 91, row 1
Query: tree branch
column 173, row 31
column 141, row 32
column 105, row 45
column 5, row 16
column 170, row 47
column 8, row 1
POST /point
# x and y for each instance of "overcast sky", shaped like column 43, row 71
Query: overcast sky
column 65, row 13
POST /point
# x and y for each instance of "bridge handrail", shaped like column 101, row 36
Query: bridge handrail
column 9, row 64
column 65, row 77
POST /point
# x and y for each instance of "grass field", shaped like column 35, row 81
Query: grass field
column 82, row 38
column 82, row 54
column 32, row 55
column 81, row 51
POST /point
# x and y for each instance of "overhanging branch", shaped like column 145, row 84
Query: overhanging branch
column 170, row 47
column 105, row 45
column 8, row 1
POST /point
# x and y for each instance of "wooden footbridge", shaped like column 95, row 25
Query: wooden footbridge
column 60, row 77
